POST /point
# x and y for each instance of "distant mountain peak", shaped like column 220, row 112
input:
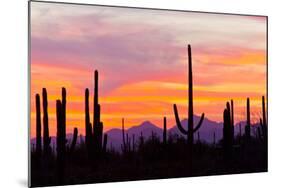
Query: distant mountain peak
column 147, row 123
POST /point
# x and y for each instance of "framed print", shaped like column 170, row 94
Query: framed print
column 127, row 93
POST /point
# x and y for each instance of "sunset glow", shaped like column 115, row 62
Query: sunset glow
column 141, row 56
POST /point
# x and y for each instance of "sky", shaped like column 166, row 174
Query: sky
column 141, row 57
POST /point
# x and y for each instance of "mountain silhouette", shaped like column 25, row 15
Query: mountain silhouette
column 146, row 128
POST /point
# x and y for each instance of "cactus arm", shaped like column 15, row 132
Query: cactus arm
column 178, row 120
column 199, row 123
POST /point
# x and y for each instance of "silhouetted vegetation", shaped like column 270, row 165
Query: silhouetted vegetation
column 191, row 130
column 171, row 156
column 228, row 130
column 248, row 125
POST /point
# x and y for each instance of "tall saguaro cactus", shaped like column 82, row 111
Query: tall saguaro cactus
column 88, row 126
column 227, row 131
column 38, row 126
column 248, row 123
column 60, row 143
column 63, row 109
column 191, row 130
column 228, row 125
column 46, row 137
column 61, row 135
column 98, row 125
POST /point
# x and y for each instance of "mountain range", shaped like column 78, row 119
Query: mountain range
column 146, row 128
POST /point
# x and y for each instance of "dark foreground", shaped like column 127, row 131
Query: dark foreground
column 151, row 159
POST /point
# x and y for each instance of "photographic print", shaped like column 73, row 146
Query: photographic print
column 126, row 93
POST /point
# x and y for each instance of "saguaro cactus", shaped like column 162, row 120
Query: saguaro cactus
column 46, row 137
column 263, row 123
column 38, row 126
column 228, row 128
column 227, row 131
column 248, row 125
column 88, row 126
column 165, row 131
column 191, row 130
column 61, row 135
column 232, row 119
column 60, row 143
column 124, row 147
column 97, row 126
column 74, row 140
column 63, row 110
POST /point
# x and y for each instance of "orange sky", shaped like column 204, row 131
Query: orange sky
column 142, row 62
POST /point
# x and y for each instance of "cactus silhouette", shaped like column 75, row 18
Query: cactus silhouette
column 61, row 135
column 191, row 130
column 63, row 110
column 228, row 125
column 126, row 140
column 124, row 147
column 164, row 130
column 232, row 119
column 97, row 125
column 46, row 137
column 248, row 123
column 227, row 131
column 74, row 139
column 263, row 123
column 38, row 126
column 88, row 126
